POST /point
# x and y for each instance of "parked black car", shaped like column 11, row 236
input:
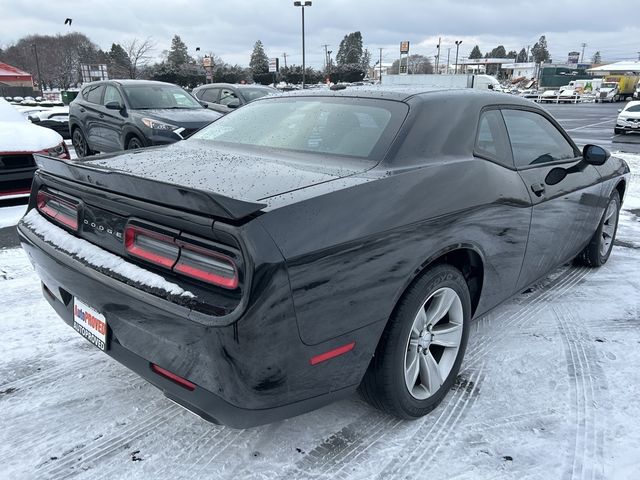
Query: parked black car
column 309, row 244
column 116, row 115
column 224, row 97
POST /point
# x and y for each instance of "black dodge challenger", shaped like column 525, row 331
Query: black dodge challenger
column 312, row 244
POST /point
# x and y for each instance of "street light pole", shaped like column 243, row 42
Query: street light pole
column 303, row 4
column 457, row 42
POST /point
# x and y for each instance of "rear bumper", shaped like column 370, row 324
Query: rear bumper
column 252, row 372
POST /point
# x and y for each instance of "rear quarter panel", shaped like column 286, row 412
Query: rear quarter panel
column 351, row 253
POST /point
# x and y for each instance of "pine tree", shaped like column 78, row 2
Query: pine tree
column 259, row 63
column 522, row 56
column 350, row 50
column 178, row 54
column 512, row 54
column 539, row 51
column 475, row 53
column 596, row 59
column 118, row 62
column 498, row 52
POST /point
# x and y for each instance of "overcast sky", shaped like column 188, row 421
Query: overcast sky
column 230, row 28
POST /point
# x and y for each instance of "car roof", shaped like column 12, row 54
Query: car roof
column 233, row 85
column 632, row 103
column 414, row 92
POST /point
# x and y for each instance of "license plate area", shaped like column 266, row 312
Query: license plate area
column 90, row 323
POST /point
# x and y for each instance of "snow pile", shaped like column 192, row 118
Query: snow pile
column 97, row 257
column 9, row 216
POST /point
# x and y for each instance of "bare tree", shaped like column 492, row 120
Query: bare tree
column 139, row 53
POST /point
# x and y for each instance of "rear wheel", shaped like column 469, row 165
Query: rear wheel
column 597, row 252
column 80, row 144
column 420, row 352
column 134, row 143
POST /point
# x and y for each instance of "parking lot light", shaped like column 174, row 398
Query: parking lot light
column 302, row 5
column 457, row 42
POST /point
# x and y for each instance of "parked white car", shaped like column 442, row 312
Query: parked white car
column 628, row 118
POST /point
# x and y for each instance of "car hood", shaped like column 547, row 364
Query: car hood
column 188, row 118
column 26, row 137
column 238, row 174
column 629, row 115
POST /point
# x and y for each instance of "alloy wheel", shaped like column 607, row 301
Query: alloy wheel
column 608, row 227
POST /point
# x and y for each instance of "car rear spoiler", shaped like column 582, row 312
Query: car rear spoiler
column 154, row 191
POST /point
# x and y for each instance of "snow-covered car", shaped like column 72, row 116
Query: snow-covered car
column 26, row 111
column 56, row 118
column 568, row 95
column 19, row 140
column 628, row 118
column 548, row 96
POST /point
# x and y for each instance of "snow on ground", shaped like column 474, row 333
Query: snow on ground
column 548, row 390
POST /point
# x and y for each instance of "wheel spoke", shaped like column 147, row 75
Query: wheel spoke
column 412, row 370
column 440, row 306
column 419, row 323
column 430, row 373
column 448, row 335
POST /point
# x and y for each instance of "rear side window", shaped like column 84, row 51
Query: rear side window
column 228, row 97
column 535, row 140
column 492, row 141
column 93, row 93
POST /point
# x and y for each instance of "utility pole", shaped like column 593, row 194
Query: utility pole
column 457, row 42
column 35, row 51
column 582, row 56
column 438, row 55
column 448, row 58
column 285, row 59
column 380, row 63
column 307, row 3
column 326, row 56
column 527, row 60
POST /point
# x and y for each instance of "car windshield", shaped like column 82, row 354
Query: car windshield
column 338, row 126
column 250, row 93
column 633, row 108
column 608, row 85
column 150, row 96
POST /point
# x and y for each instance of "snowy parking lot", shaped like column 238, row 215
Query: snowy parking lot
column 548, row 390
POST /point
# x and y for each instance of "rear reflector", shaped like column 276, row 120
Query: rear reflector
column 151, row 246
column 207, row 266
column 332, row 353
column 58, row 209
column 173, row 377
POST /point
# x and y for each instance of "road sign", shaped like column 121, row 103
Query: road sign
column 207, row 62
column 404, row 47
column 274, row 65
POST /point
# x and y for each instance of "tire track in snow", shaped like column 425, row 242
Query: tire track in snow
column 79, row 459
column 586, row 378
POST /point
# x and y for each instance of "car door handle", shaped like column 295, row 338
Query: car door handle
column 82, row 110
column 537, row 188
column 101, row 115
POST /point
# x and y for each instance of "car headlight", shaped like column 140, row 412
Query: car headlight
column 59, row 151
column 158, row 125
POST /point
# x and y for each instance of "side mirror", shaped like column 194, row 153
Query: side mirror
column 595, row 155
column 34, row 118
column 619, row 110
column 114, row 106
column 204, row 104
column 234, row 104
column 490, row 87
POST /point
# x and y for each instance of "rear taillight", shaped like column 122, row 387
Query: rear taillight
column 182, row 257
column 60, row 210
column 151, row 246
column 207, row 266
column 59, row 151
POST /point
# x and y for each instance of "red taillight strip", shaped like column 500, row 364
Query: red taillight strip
column 183, row 382
column 42, row 202
column 323, row 357
column 193, row 262
column 131, row 245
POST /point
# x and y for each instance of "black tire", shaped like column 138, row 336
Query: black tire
column 80, row 144
column 383, row 385
column 597, row 252
column 134, row 143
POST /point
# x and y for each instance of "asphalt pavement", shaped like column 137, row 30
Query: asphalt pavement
column 594, row 123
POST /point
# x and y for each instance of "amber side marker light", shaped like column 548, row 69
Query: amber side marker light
column 183, row 382
column 323, row 357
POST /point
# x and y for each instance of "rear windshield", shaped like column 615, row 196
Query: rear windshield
column 159, row 96
column 361, row 128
